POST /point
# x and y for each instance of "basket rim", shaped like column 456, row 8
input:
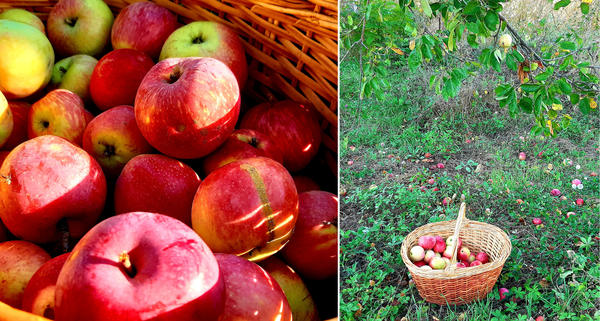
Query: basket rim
column 448, row 275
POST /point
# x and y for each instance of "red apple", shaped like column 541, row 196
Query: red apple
column 448, row 251
column 251, row 293
column 475, row 263
column 140, row 266
column 427, row 242
column 293, row 126
column 143, row 18
column 208, row 39
column 19, row 110
column 429, row 254
column 315, row 233
column 461, row 265
column 471, row 258
column 243, row 143
column 187, row 107
column 440, row 246
column 79, row 26
column 3, row 232
column 117, row 76
column 483, row 257
column 18, row 262
column 60, row 113
column 113, row 138
column 248, row 207
column 420, row 263
column 38, row 297
column 47, row 181
column 301, row 302
column 152, row 183
column 305, row 184
column 522, row 156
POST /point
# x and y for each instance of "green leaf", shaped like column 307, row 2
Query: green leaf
column 350, row 20
column 526, row 104
column 564, row 86
column 472, row 8
column 491, row 20
column 473, row 27
column 414, row 59
column 451, row 40
column 584, row 105
column 530, row 87
column 566, row 63
column 574, row 98
column 495, row 64
column 472, row 40
column 519, row 56
column 511, row 63
column 561, row 3
column 568, row 45
column 426, row 8
column 585, row 8
column 543, row 76
column 432, row 81
column 552, row 114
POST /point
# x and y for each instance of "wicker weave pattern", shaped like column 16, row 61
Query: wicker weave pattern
column 292, row 45
column 464, row 285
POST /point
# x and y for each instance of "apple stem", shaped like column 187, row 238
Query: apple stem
column 65, row 236
column 126, row 263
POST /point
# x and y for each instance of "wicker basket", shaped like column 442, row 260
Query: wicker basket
column 291, row 46
column 459, row 286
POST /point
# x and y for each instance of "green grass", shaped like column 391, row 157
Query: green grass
column 553, row 270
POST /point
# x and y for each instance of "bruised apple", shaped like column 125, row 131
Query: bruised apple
column 248, row 207
column 252, row 294
column 140, row 266
column 46, row 183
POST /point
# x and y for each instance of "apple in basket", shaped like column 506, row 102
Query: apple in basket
column 464, row 254
column 420, row 263
column 450, row 242
column 475, row 263
column 482, row 257
column 427, row 242
column 440, row 245
column 437, row 263
column 448, row 252
column 461, row 265
column 417, row 253
column 429, row 255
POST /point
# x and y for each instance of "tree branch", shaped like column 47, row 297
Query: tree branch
column 518, row 37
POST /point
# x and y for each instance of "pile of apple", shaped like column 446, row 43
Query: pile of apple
column 435, row 253
column 136, row 162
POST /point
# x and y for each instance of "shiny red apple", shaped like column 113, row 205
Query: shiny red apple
column 38, row 297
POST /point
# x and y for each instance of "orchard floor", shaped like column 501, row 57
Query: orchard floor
column 554, row 268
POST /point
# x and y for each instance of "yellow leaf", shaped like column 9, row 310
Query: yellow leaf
column 549, row 122
column 398, row 51
column 593, row 104
column 411, row 45
column 557, row 106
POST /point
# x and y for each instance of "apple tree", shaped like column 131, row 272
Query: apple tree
column 543, row 78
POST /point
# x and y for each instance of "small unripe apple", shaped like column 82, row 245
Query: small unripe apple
column 482, row 257
column 475, row 263
column 505, row 41
column 450, row 242
column 471, row 259
column 428, row 256
column 522, row 156
column 427, row 242
column 437, row 263
column 417, row 253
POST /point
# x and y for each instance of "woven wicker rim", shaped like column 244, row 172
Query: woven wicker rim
column 442, row 229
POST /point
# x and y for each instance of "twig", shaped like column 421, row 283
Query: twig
column 518, row 37
column 571, row 53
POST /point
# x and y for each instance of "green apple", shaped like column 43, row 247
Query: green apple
column 6, row 120
column 26, row 59
column 23, row 16
column 208, row 39
column 79, row 26
column 74, row 74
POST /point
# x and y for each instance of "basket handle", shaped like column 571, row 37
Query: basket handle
column 459, row 222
